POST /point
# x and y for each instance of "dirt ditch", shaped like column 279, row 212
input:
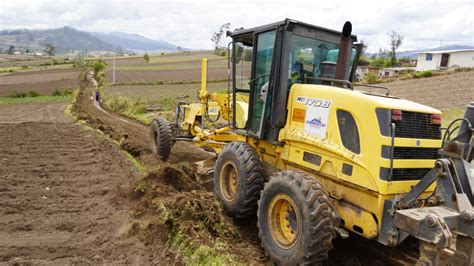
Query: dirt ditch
column 171, row 209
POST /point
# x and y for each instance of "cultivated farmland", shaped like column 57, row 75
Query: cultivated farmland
column 168, row 67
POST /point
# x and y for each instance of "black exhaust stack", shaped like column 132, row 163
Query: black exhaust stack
column 345, row 51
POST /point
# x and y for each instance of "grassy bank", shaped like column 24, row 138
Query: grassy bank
column 38, row 99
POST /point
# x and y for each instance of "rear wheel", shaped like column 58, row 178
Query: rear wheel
column 296, row 219
column 238, row 179
column 161, row 139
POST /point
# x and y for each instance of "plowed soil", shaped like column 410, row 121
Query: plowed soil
column 44, row 82
column 62, row 192
column 443, row 92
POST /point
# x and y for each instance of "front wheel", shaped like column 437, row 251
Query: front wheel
column 238, row 179
column 296, row 219
column 161, row 139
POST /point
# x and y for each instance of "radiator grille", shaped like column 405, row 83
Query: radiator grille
column 406, row 153
column 409, row 173
column 400, row 174
column 417, row 125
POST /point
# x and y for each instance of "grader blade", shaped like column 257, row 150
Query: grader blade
column 204, row 172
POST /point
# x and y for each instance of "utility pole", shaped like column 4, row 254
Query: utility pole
column 113, row 72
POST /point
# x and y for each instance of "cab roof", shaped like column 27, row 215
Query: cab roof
column 288, row 23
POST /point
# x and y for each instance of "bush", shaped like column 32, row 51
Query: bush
column 125, row 106
column 98, row 68
column 56, row 92
column 24, row 67
column 371, row 78
column 425, row 74
column 16, row 94
column 33, row 94
column 67, row 92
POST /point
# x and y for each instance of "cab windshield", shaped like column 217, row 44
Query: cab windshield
column 311, row 59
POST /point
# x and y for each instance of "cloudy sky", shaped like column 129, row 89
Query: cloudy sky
column 190, row 23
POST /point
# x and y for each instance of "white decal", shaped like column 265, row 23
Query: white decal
column 316, row 121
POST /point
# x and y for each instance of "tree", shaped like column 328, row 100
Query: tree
column 395, row 42
column 49, row 50
column 146, row 57
column 11, row 49
column 217, row 36
column 364, row 45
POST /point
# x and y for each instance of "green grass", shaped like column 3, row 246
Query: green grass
column 155, row 92
column 139, row 166
column 38, row 99
column 449, row 115
column 161, row 67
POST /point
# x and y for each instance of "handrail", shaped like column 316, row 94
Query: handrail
column 375, row 86
column 343, row 81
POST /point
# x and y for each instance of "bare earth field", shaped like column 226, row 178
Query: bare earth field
column 169, row 67
column 44, row 82
column 62, row 190
column 443, row 92
column 168, row 75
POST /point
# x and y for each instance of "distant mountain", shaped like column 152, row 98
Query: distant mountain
column 68, row 39
column 135, row 42
column 63, row 39
column 413, row 54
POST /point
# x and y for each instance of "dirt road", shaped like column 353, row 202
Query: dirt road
column 62, row 192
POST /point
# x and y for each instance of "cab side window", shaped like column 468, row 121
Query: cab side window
column 348, row 131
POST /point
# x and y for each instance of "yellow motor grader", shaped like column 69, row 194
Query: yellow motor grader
column 315, row 156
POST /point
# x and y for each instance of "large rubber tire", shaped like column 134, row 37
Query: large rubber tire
column 161, row 139
column 296, row 219
column 238, row 179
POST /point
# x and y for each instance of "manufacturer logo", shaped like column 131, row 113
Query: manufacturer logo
column 315, row 123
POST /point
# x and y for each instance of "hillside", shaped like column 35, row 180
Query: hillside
column 68, row 39
column 64, row 39
column 135, row 42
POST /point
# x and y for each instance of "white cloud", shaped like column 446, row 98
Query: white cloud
column 191, row 23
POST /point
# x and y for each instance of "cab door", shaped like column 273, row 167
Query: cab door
column 261, row 82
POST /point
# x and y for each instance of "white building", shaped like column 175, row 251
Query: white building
column 434, row 60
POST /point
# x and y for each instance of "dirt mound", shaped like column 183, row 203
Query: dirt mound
column 192, row 218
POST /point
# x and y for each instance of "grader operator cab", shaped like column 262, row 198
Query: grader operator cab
column 314, row 157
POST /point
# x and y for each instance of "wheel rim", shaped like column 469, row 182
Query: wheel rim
column 229, row 182
column 283, row 221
